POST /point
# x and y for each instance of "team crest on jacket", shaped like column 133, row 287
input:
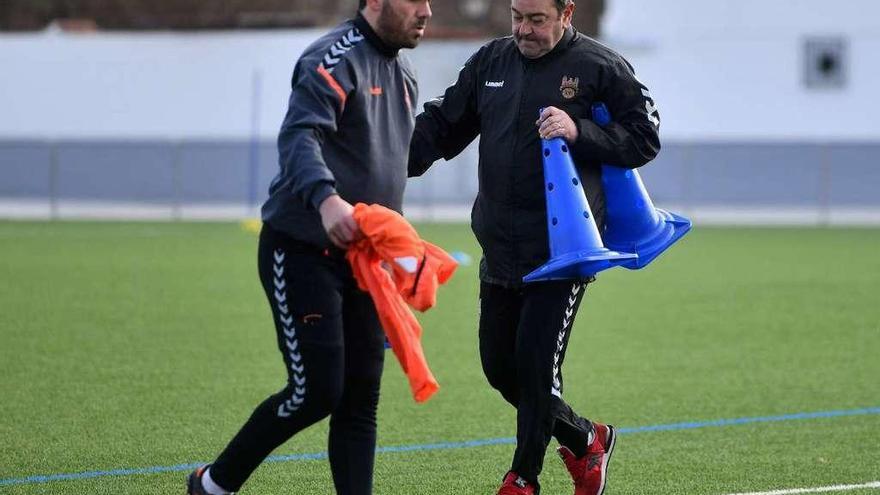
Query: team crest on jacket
column 569, row 87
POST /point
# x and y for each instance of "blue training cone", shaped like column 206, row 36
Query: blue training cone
column 632, row 223
column 576, row 249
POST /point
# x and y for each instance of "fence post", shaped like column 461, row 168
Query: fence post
column 254, row 168
column 176, row 207
column 53, row 180
column 430, row 200
column 824, row 192
column 687, row 179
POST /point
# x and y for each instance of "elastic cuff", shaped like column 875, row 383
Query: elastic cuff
column 321, row 192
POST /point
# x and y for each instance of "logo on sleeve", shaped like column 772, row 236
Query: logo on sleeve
column 494, row 84
column 569, row 87
column 340, row 48
column 651, row 108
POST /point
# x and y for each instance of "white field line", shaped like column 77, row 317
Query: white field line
column 822, row 489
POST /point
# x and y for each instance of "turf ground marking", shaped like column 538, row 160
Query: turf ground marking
column 822, row 489
column 466, row 445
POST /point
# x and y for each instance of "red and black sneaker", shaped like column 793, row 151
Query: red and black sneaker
column 590, row 471
column 194, row 482
column 514, row 484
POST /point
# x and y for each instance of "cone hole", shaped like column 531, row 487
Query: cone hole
column 549, row 186
column 564, row 148
column 574, row 180
column 546, row 151
column 555, row 221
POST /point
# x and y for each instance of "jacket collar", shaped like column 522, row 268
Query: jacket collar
column 364, row 27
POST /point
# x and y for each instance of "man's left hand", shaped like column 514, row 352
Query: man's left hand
column 555, row 123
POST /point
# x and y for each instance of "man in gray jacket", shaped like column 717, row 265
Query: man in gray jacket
column 344, row 140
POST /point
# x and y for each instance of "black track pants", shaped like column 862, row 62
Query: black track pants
column 333, row 349
column 523, row 338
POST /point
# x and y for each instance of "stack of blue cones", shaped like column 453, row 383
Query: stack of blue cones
column 635, row 231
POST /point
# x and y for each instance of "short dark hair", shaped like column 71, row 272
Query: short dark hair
column 362, row 4
column 562, row 4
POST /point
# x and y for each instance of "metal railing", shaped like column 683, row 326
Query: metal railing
column 803, row 183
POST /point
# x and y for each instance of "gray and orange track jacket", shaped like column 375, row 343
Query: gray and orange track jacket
column 347, row 130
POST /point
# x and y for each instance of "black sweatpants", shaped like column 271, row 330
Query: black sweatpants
column 524, row 334
column 333, row 349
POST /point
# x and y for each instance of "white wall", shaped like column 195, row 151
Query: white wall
column 732, row 69
column 735, row 18
column 719, row 69
column 168, row 85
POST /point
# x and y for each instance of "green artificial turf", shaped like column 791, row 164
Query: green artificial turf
column 142, row 345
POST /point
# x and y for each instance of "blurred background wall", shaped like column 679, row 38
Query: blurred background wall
column 169, row 109
column 471, row 18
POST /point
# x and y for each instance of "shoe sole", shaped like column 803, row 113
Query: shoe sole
column 606, row 459
column 194, row 479
column 190, row 484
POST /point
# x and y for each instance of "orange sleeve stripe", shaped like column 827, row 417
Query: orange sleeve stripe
column 333, row 83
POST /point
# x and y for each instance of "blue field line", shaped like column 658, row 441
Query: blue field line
column 446, row 445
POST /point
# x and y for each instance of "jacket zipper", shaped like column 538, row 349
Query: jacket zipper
column 511, row 170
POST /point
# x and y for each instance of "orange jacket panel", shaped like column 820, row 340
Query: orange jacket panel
column 398, row 268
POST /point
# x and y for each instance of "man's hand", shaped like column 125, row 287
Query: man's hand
column 555, row 123
column 336, row 216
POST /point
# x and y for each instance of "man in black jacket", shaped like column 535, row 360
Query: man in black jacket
column 524, row 329
column 344, row 140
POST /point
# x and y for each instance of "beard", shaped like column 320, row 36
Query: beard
column 396, row 31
